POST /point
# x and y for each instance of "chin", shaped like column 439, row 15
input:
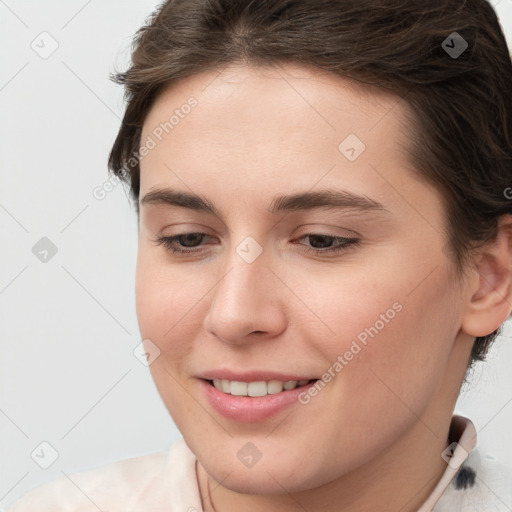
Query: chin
column 261, row 482
column 271, row 477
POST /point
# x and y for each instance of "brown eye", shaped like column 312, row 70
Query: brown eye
column 325, row 243
column 185, row 239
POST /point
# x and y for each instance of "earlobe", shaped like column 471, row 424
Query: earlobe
column 490, row 304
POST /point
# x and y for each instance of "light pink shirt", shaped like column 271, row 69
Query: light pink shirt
column 167, row 482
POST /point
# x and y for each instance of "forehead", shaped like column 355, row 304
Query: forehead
column 267, row 116
column 259, row 94
column 281, row 129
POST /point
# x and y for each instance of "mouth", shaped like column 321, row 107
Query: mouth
column 253, row 401
column 258, row 388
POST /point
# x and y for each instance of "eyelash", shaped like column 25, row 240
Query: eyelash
column 346, row 244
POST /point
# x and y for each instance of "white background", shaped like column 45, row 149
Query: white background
column 68, row 327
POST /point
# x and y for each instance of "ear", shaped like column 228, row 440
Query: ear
column 490, row 301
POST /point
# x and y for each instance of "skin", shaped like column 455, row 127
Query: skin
column 372, row 438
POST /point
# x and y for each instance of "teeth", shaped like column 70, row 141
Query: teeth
column 225, row 386
column 238, row 388
column 257, row 388
column 260, row 388
column 275, row 386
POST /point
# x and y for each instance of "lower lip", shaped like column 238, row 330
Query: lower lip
column 251, row 409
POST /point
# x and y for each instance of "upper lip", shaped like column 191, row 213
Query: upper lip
column 251, row 376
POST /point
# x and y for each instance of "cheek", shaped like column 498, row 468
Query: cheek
column 401, row 365
column 164, row 303
column 389, row 339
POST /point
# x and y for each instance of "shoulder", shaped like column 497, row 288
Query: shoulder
column 110, row 487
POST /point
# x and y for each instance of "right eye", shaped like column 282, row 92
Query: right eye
column 169, row 242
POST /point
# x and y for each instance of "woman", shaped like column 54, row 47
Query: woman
column 324, row 250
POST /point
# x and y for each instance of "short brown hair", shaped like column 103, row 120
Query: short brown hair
column 461, row 140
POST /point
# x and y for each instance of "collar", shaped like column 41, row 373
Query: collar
column 462, row 439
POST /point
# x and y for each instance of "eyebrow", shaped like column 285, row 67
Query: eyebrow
column 301, row 201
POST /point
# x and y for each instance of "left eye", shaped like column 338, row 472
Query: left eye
column 189, row 239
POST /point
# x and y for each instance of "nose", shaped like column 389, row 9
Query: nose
column 248, row 299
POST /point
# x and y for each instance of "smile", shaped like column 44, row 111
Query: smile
column 258, row 388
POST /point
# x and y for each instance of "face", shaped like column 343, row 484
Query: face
column 356, row 296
